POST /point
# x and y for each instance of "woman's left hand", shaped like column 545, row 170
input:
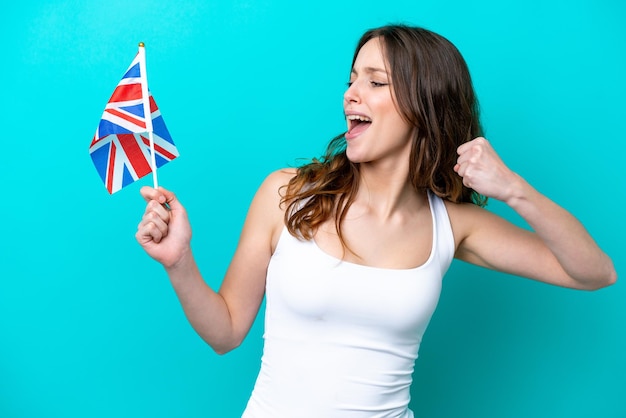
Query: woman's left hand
column 483, row 171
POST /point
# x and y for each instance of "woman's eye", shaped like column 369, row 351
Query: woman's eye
column 372, row 83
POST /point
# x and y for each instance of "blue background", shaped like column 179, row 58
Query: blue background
column 89, row 325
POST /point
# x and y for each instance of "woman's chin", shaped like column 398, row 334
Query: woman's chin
column 354, row 156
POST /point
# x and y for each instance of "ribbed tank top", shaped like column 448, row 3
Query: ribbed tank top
column 341, row 339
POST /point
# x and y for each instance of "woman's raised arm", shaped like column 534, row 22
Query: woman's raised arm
column 560, row 251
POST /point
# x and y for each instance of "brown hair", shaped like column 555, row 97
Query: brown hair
column 434, row 93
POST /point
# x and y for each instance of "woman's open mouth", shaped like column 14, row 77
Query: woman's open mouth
column 357, row 124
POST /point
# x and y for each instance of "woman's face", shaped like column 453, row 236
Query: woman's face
column 376, row 131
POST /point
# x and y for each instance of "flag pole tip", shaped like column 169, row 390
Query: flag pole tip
column 141, row 45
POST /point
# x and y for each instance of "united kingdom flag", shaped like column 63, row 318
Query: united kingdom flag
column 121, row 148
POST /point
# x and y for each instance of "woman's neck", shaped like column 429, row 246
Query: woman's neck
column 386, row 191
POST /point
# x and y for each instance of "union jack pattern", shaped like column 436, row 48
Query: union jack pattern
column 120, row 148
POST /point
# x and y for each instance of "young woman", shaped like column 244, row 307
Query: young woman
column 350, row 250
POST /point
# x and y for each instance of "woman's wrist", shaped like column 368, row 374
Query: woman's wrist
column 520, row 191
column 184, row 265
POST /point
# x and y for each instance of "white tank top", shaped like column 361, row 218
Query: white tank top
column 341, row 339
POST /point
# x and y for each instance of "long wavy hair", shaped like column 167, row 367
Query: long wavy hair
column 434, row 93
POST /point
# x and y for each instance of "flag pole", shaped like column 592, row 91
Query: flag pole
column 145, row 94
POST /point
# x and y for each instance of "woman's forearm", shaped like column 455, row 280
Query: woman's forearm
column 205, row 309
column 565, row 236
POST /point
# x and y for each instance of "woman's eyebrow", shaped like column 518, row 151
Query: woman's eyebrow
column 369, row 70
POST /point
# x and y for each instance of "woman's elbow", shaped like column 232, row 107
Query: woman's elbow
column 226, row 347
column 611, row 278
column 605, row 280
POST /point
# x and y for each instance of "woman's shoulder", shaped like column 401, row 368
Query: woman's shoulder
column 466, row 217
column 266, row 212
column 461, row 208
column 275, row 182
column 281, row 176
column 270, row 193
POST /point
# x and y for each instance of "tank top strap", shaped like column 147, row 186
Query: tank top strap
column 443, row 246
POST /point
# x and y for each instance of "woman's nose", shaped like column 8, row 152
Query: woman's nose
column 352, row 94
